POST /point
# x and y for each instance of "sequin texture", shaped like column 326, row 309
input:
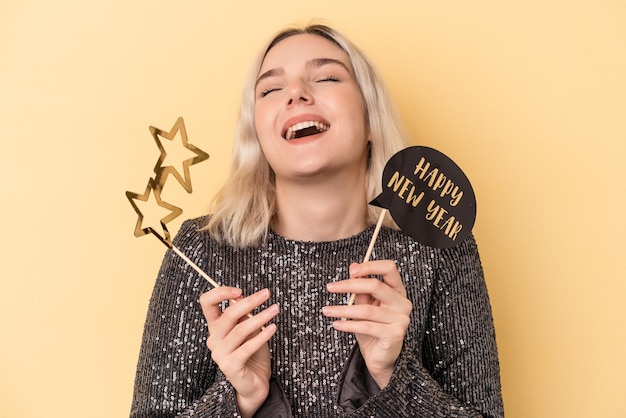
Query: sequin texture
column 448, row 367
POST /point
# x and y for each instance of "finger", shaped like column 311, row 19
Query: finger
column 252, row 344
column 370, row 288
column 363, row 313
column 242, row 353
column 237, row 312
column 386, row 331
column 244, row 331
column 363, row 299
column 360, row 298
column 250, row 325
column 375, row 267
column 385, row 268
column 210, row 301
column 369, row 320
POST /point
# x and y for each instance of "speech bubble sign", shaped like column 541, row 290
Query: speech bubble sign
column 428, row 196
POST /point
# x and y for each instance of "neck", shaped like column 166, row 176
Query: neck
column 312, row 210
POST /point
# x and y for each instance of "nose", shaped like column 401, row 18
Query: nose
column 298, row 94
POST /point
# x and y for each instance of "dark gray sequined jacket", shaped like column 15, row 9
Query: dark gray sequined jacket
column 448, row 366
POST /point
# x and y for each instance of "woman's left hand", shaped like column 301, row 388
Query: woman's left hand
column 379, row 318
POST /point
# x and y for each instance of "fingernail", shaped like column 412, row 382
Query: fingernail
column 236, row 291
column 331, row 286
column 354, row 270
column 338, row 324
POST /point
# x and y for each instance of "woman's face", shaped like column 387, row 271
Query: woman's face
column 309, row 113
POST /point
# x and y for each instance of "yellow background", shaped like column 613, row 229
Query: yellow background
column 529, row 98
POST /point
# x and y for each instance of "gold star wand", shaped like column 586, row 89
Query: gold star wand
column 180, row 170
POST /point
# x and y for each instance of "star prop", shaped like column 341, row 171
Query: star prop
column 156, row 224
column 151, row 200
column 152, row 196
column 177, row 147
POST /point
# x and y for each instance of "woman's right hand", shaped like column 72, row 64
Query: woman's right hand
column 238, row 345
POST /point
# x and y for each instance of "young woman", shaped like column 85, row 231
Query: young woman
column 278, row 339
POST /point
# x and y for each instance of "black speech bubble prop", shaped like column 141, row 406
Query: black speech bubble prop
column 428, row 196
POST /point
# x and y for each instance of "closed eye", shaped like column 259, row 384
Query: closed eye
column 267, row 91
column 328, row 78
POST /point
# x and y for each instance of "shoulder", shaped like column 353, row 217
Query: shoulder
column 464, row 250
column 195, row 223
column 191, row 230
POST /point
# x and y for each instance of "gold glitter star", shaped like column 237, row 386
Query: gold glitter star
column 154, row 221
column 179, row 166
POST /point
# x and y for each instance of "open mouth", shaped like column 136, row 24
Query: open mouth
column 306, row 128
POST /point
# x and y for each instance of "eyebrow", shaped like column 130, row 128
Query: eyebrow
column 320, row 62
column 314, row 63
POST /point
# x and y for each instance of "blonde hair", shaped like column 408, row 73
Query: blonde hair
column 244, row 207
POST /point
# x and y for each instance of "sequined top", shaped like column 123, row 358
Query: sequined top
column 448, row 365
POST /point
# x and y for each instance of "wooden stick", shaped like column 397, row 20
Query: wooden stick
column 368, row 254
column 195, row 267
